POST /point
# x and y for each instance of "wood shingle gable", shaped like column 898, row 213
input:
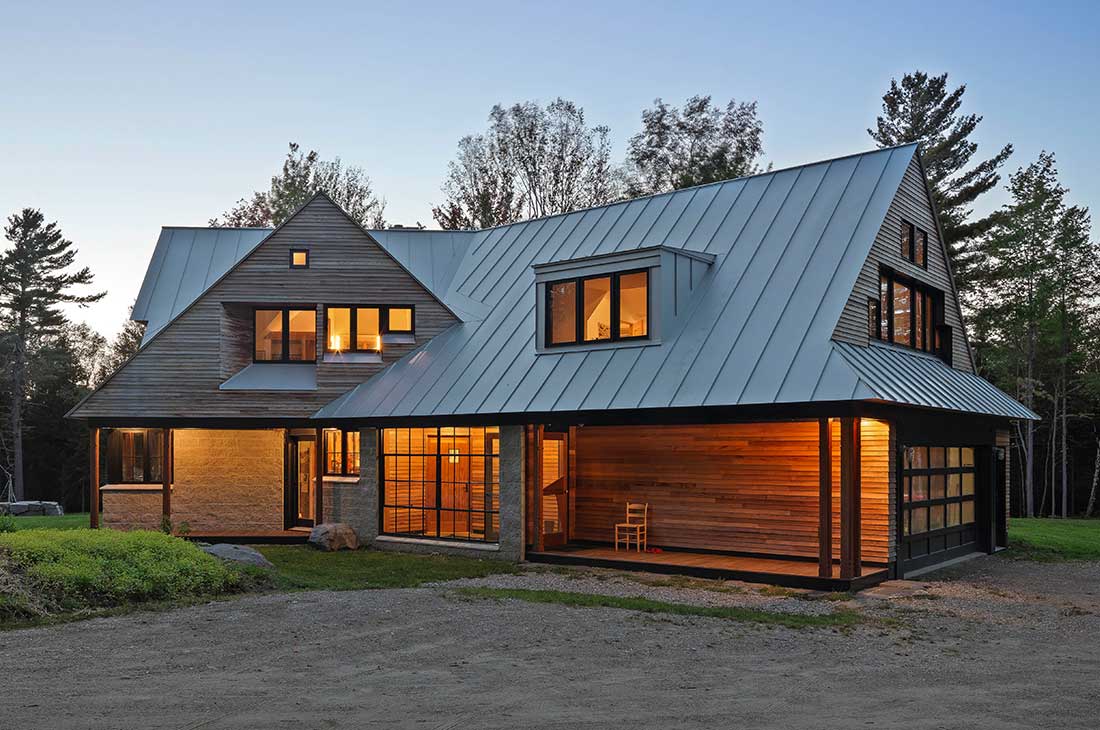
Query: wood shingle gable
column 177, row 373
column 912, row 203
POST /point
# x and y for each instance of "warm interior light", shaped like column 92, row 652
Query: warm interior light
column 378, row 343
column 334, row 343
column 453, row 456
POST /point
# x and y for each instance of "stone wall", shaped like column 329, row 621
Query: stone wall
column 228, row 480
column 129, row 507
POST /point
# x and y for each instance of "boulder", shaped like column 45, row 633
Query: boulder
column 331, row 536
column 238, row 554
column 32, row 509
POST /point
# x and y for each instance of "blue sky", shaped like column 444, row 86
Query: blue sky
column 123, row 119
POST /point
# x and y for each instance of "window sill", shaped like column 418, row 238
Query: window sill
column 341, row 479
column 489, row 547
column 133, row 488
column 399, row 338
column 353, row 357
column 589, row 346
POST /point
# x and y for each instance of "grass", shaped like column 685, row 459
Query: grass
column 300, row 567
column 1048, row 540
column 837, row 619
column 46, row 573
column 76, row 521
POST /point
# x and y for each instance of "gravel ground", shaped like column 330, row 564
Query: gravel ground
column 989, row 644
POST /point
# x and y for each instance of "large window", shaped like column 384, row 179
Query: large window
column 598, row 308
column 135, row 456
column 341, row 452
column 441, row 482
column 907, row 313
column 914, row 244
column 352, row 329
column 285, row 335
column 938, row 498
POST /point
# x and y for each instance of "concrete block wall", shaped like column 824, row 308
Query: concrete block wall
column 128, row 508
column 228, row 479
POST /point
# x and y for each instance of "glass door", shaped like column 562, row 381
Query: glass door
column 303, row 480
column 554, row 483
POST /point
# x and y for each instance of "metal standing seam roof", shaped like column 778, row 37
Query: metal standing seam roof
column 788, row 248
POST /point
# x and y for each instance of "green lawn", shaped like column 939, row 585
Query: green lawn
column 64, row 522
column 303, row 567
column 732, row 613
column 1049, row 539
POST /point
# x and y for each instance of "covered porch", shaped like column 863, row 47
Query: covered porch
column 802, row 503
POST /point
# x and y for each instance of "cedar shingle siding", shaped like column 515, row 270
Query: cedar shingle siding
column 178, row 373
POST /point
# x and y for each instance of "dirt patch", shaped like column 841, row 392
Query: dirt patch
column 423, row 658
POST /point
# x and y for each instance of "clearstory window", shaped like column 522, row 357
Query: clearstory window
column 352, row 329
column 299, row 258
column 906, row 313
column 441, row 483
column 604, row 308
column 285, row 335
column 341, row 452
column 914, row 244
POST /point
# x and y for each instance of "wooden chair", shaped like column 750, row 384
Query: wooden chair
column 637, row 520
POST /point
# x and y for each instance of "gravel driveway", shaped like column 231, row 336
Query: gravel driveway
column 991, row 644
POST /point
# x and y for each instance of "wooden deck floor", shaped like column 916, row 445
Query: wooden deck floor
column 778, row 571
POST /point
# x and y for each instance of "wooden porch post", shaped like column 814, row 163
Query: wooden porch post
column 825, row 500
column 849, row 498
column 93, row 476
column 166, row 473
column 540, row 543
column 319, row 487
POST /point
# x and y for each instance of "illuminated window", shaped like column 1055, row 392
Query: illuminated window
column 352, row 329
column 914, row 244
column 135, row 456
column 441, row 482
column 909, row 313
column 341, row 452
column 399, row 319
column 299, row 258
column 598, row 309
column 368, row 329
column 938, row 500
column 282, row 335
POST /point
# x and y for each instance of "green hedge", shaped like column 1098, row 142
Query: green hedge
column 75, row 569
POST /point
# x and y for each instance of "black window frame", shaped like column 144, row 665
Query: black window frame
column 874, row 318
column 299, row 250
column 354, row 326
column 921, row 544
column 940, row 341
column 384, row 320
column 286, row 310
column 116, row 454
column 910, row 255
column 578, row 308
column 343, row 471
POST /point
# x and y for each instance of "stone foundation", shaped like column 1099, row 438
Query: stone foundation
column 131, row 507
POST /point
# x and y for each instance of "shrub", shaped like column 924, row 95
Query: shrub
column 7, row 523
column 74, row 569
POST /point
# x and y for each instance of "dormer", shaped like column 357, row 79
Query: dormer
column 629, row 298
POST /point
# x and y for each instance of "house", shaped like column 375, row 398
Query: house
column 776, row 365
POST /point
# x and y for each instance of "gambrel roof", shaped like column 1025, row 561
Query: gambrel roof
column 784, row 250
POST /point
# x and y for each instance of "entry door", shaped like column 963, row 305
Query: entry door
column 554, row 482
column 302, row 483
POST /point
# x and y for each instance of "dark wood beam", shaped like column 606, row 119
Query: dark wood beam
column 849, row 498
column 825, row 500
column 537, row 464
column 319, row 485
column 93, row 477
column 166, row 473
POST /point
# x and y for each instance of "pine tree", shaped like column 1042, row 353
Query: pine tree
column 922, row 109
column 34, row 282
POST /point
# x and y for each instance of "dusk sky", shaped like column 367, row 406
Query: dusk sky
column 119, row 120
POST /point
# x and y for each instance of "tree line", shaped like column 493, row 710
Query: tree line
column 1027, row 272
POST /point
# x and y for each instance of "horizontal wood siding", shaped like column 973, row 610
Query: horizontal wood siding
column 909, row 204
column 178, row 373
column 736, row 487
column 875, row 506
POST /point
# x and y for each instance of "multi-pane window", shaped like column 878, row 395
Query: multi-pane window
column 598, row 308
column 906, row 313
column 341, row 452
column 938, row 498
column 352, row 329
column 914, row 244
column 441, row 482
column 139, row 456
column 285, row 335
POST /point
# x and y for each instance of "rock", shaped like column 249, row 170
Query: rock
column 331, row 536
column 32, row 509
column 238, row 554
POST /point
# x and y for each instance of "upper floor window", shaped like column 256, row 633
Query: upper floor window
column 299, row 258
column 914, row 244
column 906, row 313
column 603, row 308
column 285, row 335
column 399, row 319
column 353, row 329
column 341, row 452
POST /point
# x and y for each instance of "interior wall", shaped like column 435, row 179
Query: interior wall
column 875, row 480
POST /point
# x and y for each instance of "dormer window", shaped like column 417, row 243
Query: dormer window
column 352, row 329
column 607, row 308
column 299, row 258
column 284, row 335
column 909, row 313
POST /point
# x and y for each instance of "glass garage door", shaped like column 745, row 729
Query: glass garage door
column 938, row 502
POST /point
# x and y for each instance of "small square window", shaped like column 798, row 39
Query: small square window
column 399, row 319
column 299, row 258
